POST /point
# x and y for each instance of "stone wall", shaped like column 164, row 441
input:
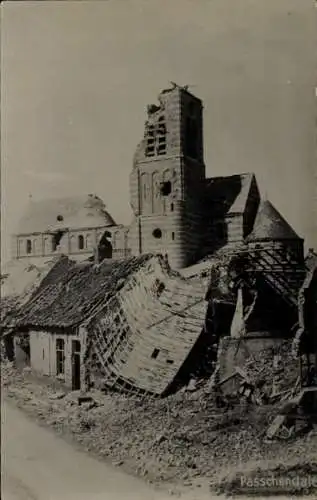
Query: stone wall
column 77, row 243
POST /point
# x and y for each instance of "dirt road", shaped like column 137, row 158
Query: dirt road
column 37, row 465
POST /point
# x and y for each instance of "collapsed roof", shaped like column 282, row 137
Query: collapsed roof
column 142, row 319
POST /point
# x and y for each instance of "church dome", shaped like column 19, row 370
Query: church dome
column 65, row 213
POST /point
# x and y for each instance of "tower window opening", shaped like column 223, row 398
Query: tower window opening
column 157, row 233
column 166, row 188
column 173, row 235
column 156, row 138
column 28, row 246
column 172, row 207
column 155, row 353
column 150, row 140
column 81, row 242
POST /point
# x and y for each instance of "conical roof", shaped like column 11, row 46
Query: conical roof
column 271, row 225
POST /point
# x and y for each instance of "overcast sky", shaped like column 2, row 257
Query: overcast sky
column 77, row 76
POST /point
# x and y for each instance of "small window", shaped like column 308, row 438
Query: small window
column 166, row 188
column 28, row 246
column 60, row 218
column 173, row 235
column 157, row 233
column 60, row 356
column 170, row 361
column 172, row 207
column 155, row 353
column 80, row 242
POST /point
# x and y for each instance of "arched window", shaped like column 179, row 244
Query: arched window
column 150, row 141
column 81, row 242
column 161, row 136
column 28, row 246
column 156, row 138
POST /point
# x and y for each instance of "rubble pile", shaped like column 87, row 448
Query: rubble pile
column 270, row 377
column 182, row 438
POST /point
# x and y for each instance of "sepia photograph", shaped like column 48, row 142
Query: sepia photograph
column 158, row 334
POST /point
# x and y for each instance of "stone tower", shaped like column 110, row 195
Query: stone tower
column 167, row 181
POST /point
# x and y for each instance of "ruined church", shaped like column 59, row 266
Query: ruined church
column 177, row 211
column 105, row 307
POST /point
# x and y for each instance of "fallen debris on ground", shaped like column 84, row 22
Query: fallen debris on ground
column 184, row 438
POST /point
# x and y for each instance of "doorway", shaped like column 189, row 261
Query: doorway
column 75, row 365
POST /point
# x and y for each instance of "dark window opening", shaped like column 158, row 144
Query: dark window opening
column 157, row 233
column 156, row 138
column 105, row 249
column 150, row 144
column 60, row 218
column 28, row 246
column 56, row 240
column 170, row 361
column 173, row 236
column 81, row 242
column 150, row 131
column 172, row 207
column 60, row 356
column 43, row 354
column 166, row 188
column 155, row 353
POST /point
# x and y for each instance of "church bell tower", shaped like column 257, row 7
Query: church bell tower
column 168, row 177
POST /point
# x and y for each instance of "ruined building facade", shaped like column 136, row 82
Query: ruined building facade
column 177, row 211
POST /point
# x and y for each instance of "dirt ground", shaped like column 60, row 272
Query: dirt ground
column 183, row 441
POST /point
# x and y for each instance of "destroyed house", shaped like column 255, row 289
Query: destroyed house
column 130, row 325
